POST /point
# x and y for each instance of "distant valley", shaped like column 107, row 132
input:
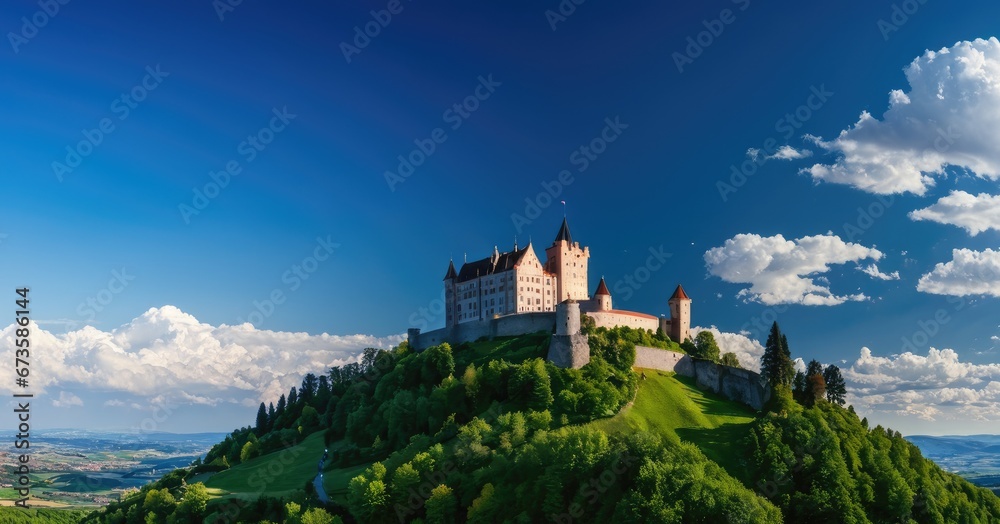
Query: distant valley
column 975, row 457
column 89, row 468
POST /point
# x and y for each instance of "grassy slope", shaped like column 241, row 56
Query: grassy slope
column 672, row 405
column 665, row 404
column 276, row 474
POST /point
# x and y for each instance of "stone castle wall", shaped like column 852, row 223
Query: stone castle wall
column 739, row 385
column 610, row 319
column 510, row 325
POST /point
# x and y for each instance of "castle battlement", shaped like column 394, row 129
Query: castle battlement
column 514, row 293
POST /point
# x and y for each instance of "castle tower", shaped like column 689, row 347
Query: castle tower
column 568, row 347
column 603, row 297
column 680, row 315
column 568, row 261
column 450, row 299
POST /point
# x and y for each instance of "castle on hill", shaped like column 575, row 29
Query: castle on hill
column 514, row 293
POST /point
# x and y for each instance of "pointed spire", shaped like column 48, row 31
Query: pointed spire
column 680, row 294
column 563, row 233
column 515, row 242
column 451, row 275
column 602, row 289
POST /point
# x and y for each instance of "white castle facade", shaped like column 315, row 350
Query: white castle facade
column 513, row 293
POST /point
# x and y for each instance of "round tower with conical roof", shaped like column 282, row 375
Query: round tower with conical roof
column 680, row 315
column 603, row 297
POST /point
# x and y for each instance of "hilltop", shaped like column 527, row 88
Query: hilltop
column 488, row 431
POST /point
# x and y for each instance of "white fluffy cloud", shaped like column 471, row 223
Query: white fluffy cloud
column 780, row 271
column 973, row 213
column 968, row 273
column 782, row 153
column 873, row 271
column 950, row 116
column 936, row 387
column 747, row 350
column 169, row 355
column 67, row 400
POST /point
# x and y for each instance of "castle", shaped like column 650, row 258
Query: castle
column 513, row 293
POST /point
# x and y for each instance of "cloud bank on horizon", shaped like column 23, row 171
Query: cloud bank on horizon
column 168, row 355
column 937, row 387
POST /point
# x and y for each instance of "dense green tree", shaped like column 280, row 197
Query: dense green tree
column 836, row 388
column 261, row 425
column 530, row 385
column 441, row 506
column 308, row 390
column 705, row 346
column 815, row 385
column 730, row 359
column 776, row 364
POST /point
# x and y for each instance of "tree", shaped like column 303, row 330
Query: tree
column 815, row 386
column 261, row 426
column 730, row 359
column 776, row 364
column 441, row 506
column 270, row 416
column 192, row 505
column 836, row 389
column 159, row 501
column 309, row 386
column 705, row 346
column 279, row 410
column 688, row 347
column 319, row 516
column 250, row 450
column 799, row 387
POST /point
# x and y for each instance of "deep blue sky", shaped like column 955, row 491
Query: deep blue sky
column 324, row 174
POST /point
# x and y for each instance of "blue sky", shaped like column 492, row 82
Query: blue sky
column 114, row 230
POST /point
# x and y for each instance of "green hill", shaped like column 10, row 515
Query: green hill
column 669, row 404
column 490, row 432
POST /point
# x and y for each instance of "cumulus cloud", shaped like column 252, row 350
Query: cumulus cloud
column 67, row 400
column 169, row 355
column 782, row 271
column 968, row 273
column 747, row 350
column 950, row 116
column 935, row 387
column 873, row 271
column 782, row 153
column 973, row 213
